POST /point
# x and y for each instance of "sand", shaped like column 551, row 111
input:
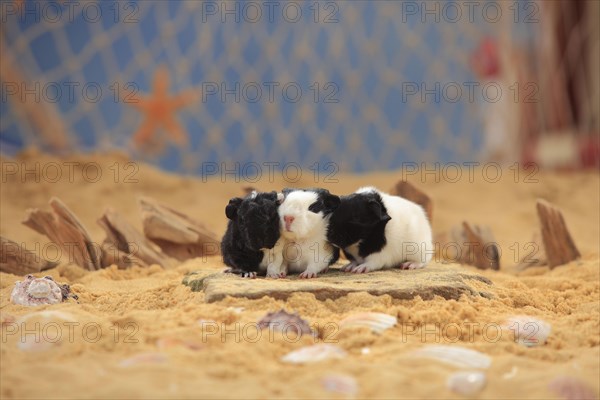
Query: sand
column 147, row 311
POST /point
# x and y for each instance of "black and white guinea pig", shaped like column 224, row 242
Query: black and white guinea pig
column 253, row 228
column 377, row 230
column 304, row 219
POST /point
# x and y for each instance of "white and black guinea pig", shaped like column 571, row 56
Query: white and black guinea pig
column 377, row 230
column 253, row 228
column 304, row 218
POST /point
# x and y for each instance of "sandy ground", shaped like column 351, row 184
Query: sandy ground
column 127, row 313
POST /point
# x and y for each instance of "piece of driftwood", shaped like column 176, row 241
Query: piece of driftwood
column 63, row 228
column 16, row 259
column 410, row 192
column 558, row 243
column 477, row 246
column 175, row 233
column 132, row 246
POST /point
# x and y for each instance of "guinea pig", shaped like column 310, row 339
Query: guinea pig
column 252, row 230
column 377, row 230
column 304, row 218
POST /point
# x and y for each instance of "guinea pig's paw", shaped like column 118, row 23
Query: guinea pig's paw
column 411, row 265
column 308, row 274
column 348, row 267
column 250, row 275
column 275, row 275
column 363, row 268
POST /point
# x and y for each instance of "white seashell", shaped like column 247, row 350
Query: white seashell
column 314, row 353
column 511, row 374
column 528, row 331
column 342, row 384
column 365, row 351
column 36, row 291
column 43, row 335
column 377, row 322
column 466, row 383
column 454, row 355
column 143, row 358
column 35, row 343
column 170, row 342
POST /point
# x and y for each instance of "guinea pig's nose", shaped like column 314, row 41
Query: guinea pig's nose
column 288, row 221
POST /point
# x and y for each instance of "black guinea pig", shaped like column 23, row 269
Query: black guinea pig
column 253, row 228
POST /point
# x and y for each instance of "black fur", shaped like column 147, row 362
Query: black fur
column 359, row 216
column 253, row 225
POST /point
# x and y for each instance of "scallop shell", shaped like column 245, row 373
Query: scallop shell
column 341, row 384
column 377, row 322
column 466, row 383
column 314, row 353
column 572, row 389
column 454, row 355
column 285, row 322
column 144, row 359
column 528, row 331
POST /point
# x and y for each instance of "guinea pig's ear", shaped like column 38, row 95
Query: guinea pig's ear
column 378, row 212
column 331, row 202
column 280, row 198
column 287, row 191
column 232, row 207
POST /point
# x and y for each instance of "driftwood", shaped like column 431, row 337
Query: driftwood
column 477, row 246
column 125, row 246
column 63, row 228
column 408, row 191
column 17, row 260
column 558, row 243
column 175, row 233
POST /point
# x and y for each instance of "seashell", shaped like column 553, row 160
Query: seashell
column 466, row 383
column 42, row 337
column 143, row 358
column 529, row 331
column 454, row 355
column 168, row 343
column 285, row 322
column 365, row 350
column 569, row 388
column 314, row 353
column 377, row 322
column 39, row 291
column 35, row 343
column 511, row 374
column 342, row 384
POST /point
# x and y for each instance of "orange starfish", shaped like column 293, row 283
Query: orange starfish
column 159, row 111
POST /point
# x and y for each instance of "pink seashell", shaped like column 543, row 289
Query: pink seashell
column 342, row 384
column 570, row 388
column 285, row 322
column 314, row 353
column 43, row 337
column 144, row 359
column 377, row 322
column 39, row 291
column 528, row 331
